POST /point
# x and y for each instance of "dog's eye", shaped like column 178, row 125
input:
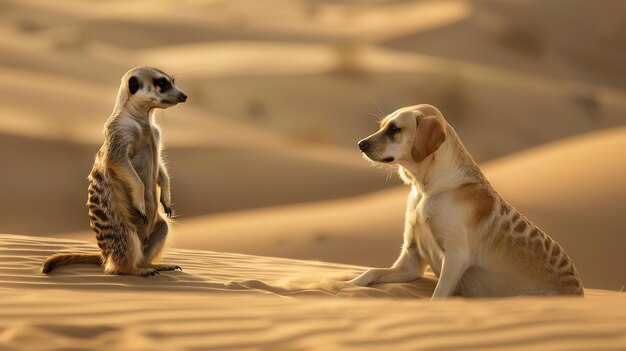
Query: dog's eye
column 392, row 130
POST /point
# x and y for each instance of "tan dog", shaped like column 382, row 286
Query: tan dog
column 456, row 223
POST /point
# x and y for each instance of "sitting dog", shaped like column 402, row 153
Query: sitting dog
column 456, row 223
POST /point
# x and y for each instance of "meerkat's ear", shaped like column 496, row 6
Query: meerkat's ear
column 429, row 135
column 133, row 85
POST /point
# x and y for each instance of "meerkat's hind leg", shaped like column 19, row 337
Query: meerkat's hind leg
column 113, row 267
column 153, row 246
column 123, row 256
column 166, row 267
column 145, row 272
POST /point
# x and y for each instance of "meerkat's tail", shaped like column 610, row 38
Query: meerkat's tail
column 56, row 260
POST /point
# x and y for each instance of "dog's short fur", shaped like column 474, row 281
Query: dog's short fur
column 123, row 198
column 456, row 223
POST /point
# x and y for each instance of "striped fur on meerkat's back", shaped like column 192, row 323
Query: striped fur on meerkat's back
column 105, row 211
column 123, row 194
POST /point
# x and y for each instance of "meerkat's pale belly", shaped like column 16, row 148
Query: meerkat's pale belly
column 145, row 161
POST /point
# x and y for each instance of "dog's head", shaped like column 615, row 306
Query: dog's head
column 151, row 88
column 410, row 134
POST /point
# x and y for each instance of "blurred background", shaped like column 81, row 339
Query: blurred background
column 263, row 156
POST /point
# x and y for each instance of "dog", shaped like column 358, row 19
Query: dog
column 476, row 243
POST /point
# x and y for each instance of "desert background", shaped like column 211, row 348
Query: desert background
column 275, row 208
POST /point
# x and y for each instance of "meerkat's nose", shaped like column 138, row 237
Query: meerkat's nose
column 183, row 97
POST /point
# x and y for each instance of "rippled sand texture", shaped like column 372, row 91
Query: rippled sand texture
column 234, row 301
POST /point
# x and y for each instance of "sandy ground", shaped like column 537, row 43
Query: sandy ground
column 233, row 301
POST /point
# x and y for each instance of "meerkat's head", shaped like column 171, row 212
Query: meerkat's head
column 408, row 135
column 149, row 88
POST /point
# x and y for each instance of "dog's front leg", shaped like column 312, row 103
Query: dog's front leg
column 406, row 268
column 454, row 265
column 409, row 265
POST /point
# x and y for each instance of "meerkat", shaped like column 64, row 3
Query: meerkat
column 123, row 196
column 476, row 243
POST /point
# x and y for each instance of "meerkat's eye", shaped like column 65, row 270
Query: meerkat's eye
column 162, row 83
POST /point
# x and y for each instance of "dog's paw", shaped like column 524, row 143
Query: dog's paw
column 364, row 279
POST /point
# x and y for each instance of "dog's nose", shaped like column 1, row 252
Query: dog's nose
column 183, row 97
column 363, row 145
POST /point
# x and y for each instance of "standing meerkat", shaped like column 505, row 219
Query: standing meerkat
column 456, row 223
column 122, row 199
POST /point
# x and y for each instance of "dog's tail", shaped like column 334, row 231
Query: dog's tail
column 56, row 260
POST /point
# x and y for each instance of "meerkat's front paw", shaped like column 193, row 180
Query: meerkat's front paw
column 143, row 216
column 167, row 205
column 141, row 211
column 167, row 209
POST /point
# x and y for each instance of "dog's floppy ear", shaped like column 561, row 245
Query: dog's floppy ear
column 133, row 85
column 429, row 135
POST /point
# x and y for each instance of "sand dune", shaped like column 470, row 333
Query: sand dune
column 250, row 78
column 77, row 113
column 253, row 85
column 230, row 301
column 361, row 230
column 536, row 37
column 131, row 23
column 555, row 35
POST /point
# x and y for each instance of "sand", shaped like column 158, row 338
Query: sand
column 232, row 301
